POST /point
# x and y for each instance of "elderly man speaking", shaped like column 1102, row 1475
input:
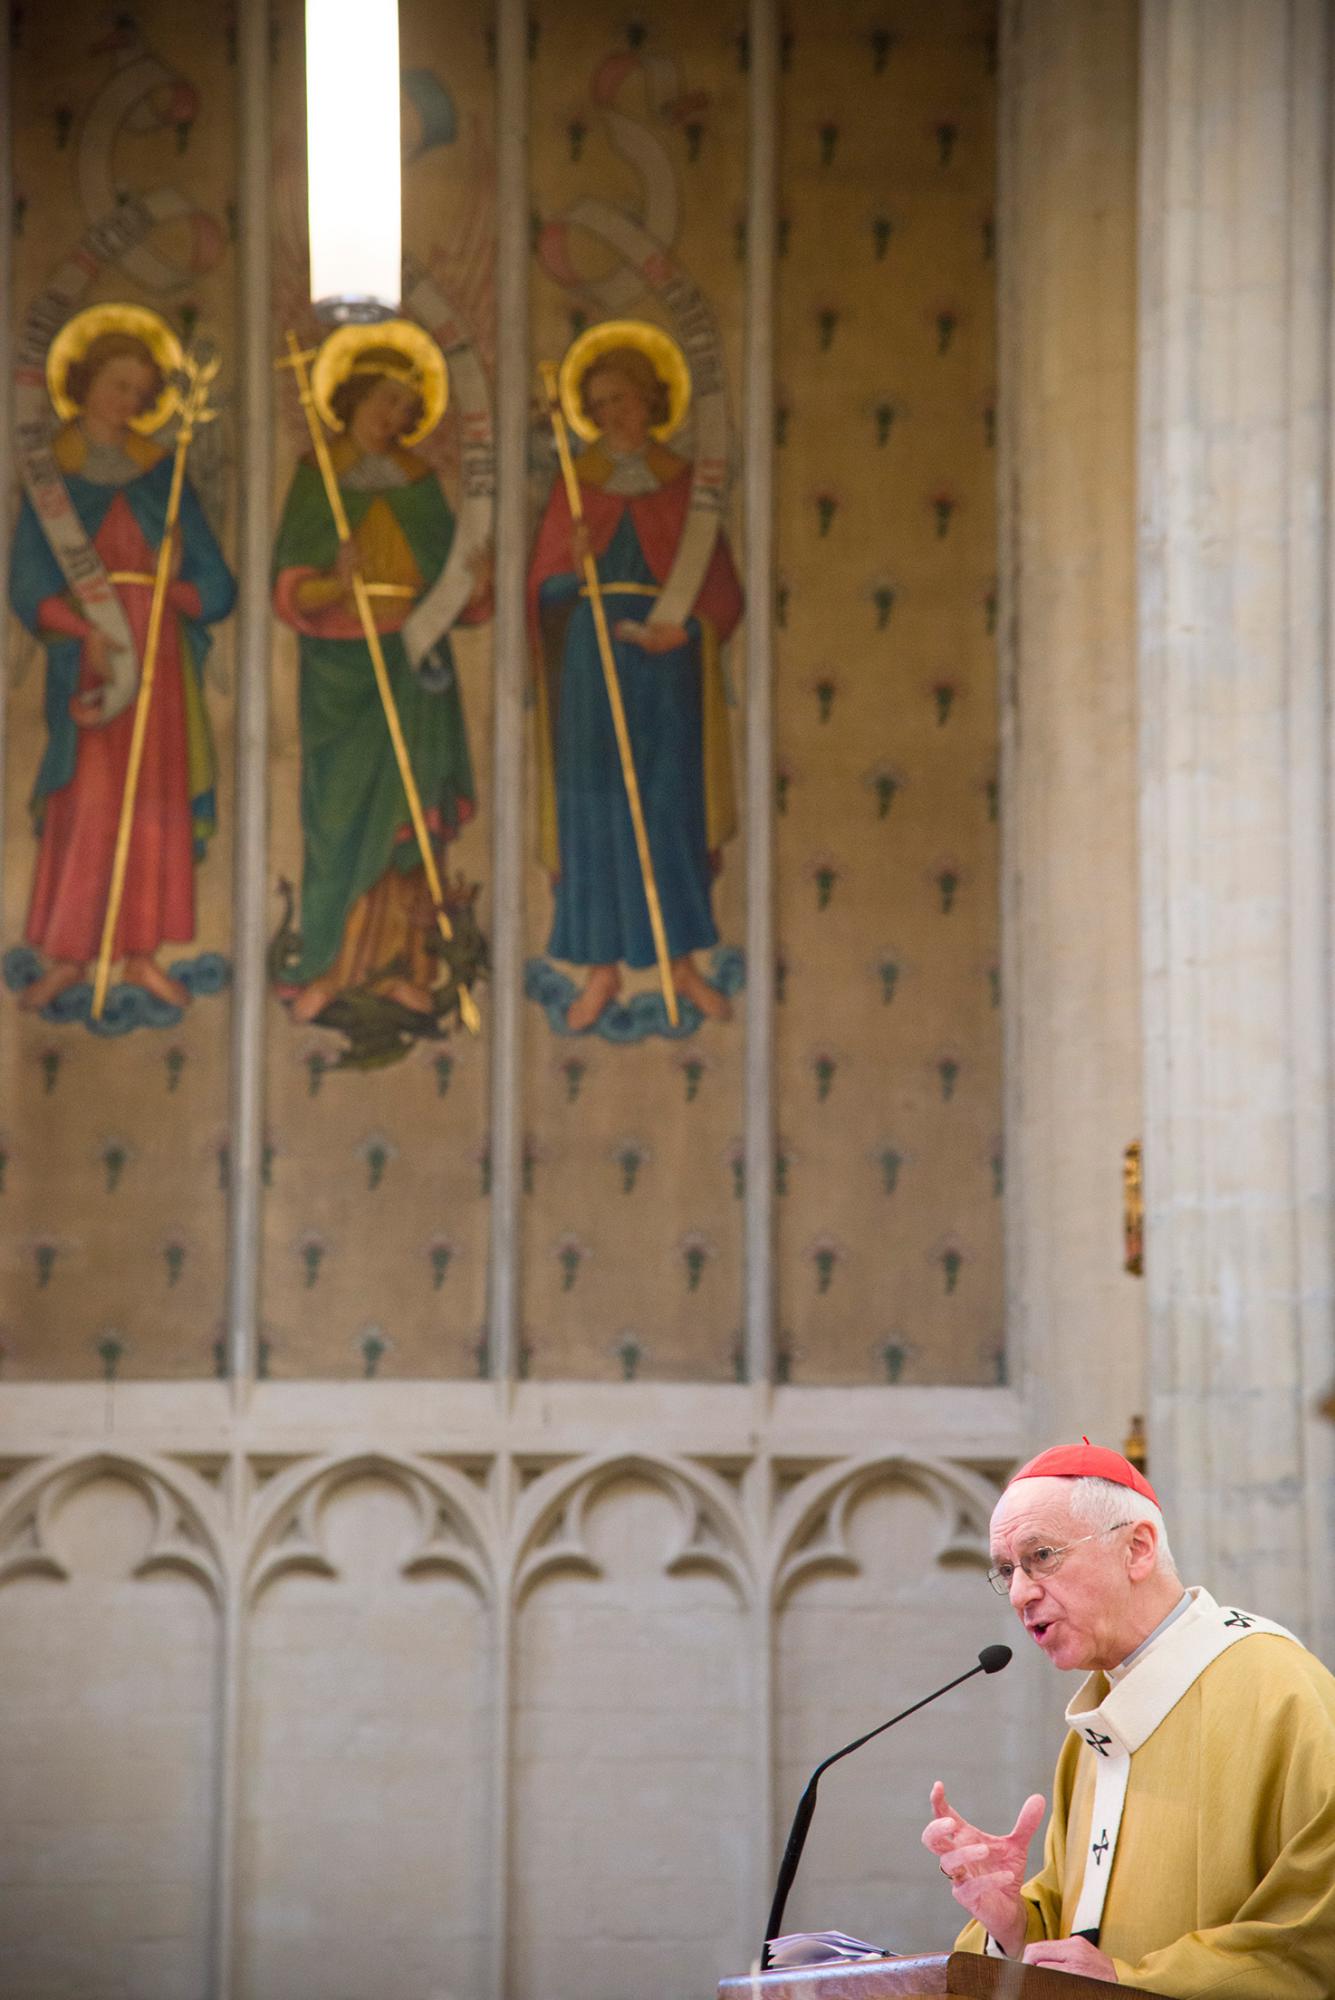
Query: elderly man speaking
column 1191, row 1849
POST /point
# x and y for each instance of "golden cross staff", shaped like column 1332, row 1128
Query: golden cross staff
column 199, row 372
column 606, row 655
column 297, row 358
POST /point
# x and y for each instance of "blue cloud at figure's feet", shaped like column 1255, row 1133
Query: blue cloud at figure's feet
column 636, row 1019
column 127, row 1007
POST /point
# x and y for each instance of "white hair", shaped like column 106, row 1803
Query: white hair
column 1100, row 1504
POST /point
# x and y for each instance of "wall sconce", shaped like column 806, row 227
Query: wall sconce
column 353, row 160
column 1135, row 1447
column 1133, row 1211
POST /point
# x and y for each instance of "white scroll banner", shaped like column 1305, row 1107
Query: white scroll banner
column 107, row 242
column 644, row 152
column 470, row 399
column 124, row 103
column 645, row 264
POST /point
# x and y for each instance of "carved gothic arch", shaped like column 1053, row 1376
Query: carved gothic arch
column 455, row 1535
column 810, row 1528
column 187, row 1531
column 712, row 1533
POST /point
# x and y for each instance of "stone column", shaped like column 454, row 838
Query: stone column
column 1071, row 972
column 1234, row 448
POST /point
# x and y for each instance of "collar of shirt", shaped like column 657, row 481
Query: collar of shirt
column 1119, row 1672
column 374, row 472
column 631, row 475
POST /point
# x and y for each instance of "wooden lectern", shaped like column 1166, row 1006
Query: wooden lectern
column 958, row 1972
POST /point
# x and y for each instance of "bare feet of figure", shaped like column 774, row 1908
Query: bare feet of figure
column 602, row 986
column 415, row 998
column 692, row 985
column 311, row 1001
column 64, row 973
column 145, row 972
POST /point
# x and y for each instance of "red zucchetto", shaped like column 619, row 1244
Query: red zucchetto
column 1086, row 1461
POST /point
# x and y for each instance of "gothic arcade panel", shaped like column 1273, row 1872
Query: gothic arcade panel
column 633, row 1051
column 114, row 1004
column 377, row 1155
column 889, row 1050
column 365, row 1816
column 907, row 1574
column 105, row 1836
column 629, row 1656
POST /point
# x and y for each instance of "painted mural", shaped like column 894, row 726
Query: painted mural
column 116, row 925
column 633, row 1124
column 379, row 1163
column 889, row 1165
column 115, row 1154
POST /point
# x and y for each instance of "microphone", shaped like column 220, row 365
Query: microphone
column 990, row 1661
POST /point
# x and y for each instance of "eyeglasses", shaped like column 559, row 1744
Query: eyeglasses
column 1043, row 1561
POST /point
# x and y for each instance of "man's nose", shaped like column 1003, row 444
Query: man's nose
column 1023, row 1589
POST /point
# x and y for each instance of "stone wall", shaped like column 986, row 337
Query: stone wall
column 299, row 1713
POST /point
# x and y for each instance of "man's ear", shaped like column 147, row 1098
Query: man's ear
column 1142, row 1551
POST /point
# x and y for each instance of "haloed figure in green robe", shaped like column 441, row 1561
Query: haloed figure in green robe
column 366, row 914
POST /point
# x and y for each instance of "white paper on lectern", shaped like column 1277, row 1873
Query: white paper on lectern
column 799, row 1948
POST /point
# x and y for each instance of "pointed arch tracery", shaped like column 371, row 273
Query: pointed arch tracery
column 550, row 1528
column 454, row 1532
column 810, row 1530
column 187, row 1532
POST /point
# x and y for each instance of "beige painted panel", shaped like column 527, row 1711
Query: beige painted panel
column 1068, row 248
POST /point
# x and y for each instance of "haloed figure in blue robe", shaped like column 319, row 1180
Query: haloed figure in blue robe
column 635, row 495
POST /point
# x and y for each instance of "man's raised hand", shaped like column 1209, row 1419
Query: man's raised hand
column 985, row 1870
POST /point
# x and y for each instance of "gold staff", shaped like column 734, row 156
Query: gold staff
column 605, row 653
column 194, row 411
column 297, row 359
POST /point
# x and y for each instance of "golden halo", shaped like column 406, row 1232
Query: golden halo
column 423, row 369
column 653, row 342
column 77, row 336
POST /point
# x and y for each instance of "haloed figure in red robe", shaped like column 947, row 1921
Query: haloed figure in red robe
column 118, row 482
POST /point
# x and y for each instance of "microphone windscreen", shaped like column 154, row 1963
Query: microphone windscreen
column 993, row 1658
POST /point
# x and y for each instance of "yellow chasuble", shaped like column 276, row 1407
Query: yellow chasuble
column 1223, row 1873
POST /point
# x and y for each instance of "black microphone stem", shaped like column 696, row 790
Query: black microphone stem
column 806, row 1806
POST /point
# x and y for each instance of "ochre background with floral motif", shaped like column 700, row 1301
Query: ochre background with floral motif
column 113, row 1148
column 889, row 1039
